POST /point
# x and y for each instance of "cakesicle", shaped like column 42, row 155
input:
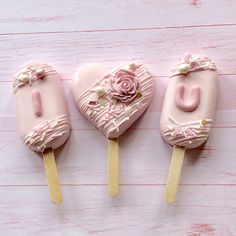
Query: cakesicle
column 188, row 111
column 112, row 101
column 42, row 115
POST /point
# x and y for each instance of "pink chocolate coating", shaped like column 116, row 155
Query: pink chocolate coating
column 42, row 114
column 112, row 100
column 189, row 104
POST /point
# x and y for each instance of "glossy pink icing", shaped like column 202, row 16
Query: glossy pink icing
column 186, row 116
column 51, row 129
column 192, row 102
column 112, row 100
column 36, row 99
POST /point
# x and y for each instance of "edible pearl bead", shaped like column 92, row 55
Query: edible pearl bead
column 100, row 91
column 39, row 71
column 184, row 68
column 23, row 77
column 24, row 70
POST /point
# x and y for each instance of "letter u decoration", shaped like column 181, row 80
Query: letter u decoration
column 190, row 105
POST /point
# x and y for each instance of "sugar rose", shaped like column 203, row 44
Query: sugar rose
column 124, row 85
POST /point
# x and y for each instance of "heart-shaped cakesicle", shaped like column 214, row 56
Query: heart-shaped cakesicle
column 112, row 100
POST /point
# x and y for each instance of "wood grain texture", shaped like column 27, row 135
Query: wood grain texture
column 56, row 16
column 83, row 164
column 139, row 210
column 159, row 49
column 67, row 35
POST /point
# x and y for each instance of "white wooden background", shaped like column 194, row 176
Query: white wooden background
column 67, row 34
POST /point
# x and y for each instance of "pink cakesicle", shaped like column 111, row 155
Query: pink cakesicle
column 112, row 101
column 188, row 111
column 42, row 116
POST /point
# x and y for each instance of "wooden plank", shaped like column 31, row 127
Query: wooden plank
column 55, row 15
column 150, row 46
column 87, row 210
column 83, row 159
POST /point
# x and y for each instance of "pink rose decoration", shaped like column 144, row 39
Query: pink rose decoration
column 124, row 85
column 115, row 109
column 191, row 61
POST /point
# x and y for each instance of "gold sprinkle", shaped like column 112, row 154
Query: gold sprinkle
column 139, row 95
column 114, row 101
column 203, row 122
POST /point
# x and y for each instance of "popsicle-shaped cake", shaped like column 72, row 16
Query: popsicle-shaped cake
column 188, row 111
column 42, row 116
column 112, row 100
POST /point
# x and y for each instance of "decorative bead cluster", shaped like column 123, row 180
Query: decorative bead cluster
column 115, row 94
column 28, row 74
column 193, row 63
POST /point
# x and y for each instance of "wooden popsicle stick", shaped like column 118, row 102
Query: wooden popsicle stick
column 113, row 167
column 174, row 174
column 52, row 177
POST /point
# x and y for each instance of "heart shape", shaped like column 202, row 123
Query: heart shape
column 112, row 100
